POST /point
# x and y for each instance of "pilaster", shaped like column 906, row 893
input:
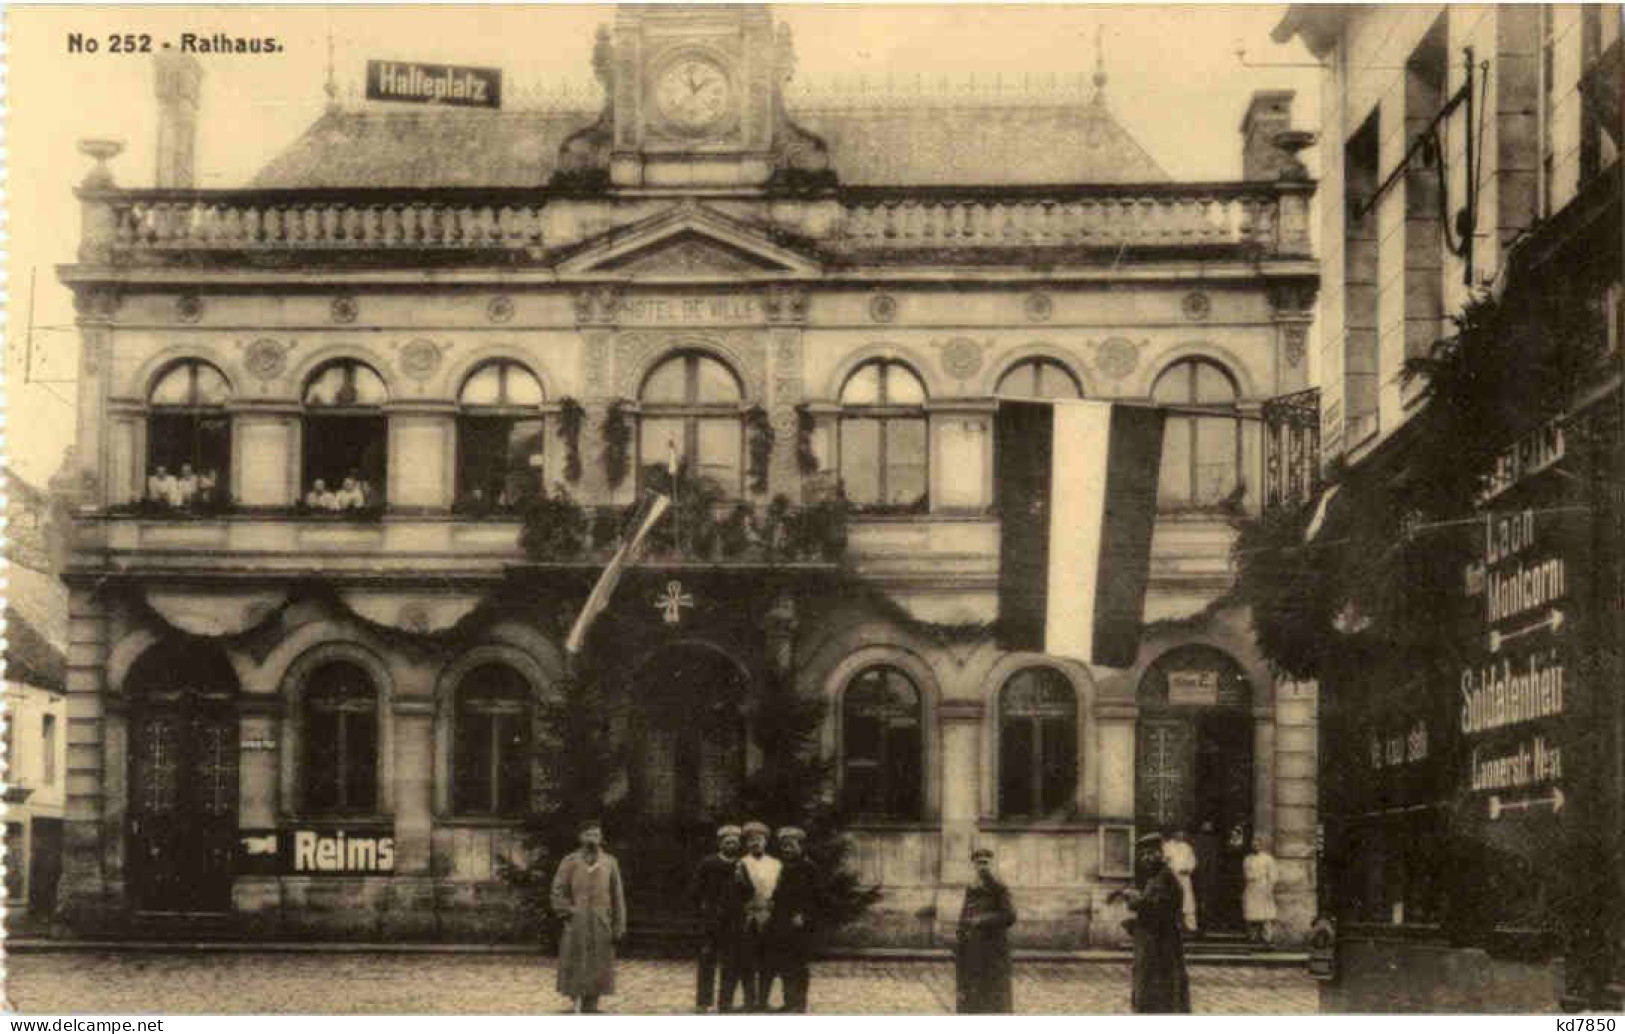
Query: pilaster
column 414, row 770
column 90, row 893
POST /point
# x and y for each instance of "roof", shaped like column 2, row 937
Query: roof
column 30, row 657
column 887, row 142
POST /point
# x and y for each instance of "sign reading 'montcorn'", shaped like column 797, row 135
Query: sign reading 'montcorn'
column 418, row 83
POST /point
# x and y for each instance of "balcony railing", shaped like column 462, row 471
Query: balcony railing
column 151, row 225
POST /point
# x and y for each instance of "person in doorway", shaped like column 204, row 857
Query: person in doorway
column 1181, row 858
column 1206, row 846
column 758, row 880
column 1161, row 984
column 588, row 897
column 982, row 952
column 1258, row 899
column 790, row 929
column 717, row 902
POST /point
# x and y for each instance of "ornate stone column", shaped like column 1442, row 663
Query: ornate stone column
column 90, row 895
column 597, row 309
column 786, row 310
column 258, row 899
column 961, row 768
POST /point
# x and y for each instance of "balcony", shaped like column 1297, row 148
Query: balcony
column 158, row 227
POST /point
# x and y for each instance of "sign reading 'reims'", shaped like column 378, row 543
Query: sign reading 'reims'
column 418, row 83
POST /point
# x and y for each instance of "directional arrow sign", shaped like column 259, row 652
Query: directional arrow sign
column 1499, row 807
column 1553, row 619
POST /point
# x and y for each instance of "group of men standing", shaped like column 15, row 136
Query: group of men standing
column 756, row 913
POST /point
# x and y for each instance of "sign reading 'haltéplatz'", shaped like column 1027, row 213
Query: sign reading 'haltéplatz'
column 418, row 83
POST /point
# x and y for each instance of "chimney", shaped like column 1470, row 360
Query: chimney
column 1262, row 157
column 177, row 77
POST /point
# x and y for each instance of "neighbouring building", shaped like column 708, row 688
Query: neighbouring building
column 1472, row 796
column 306, row 643
column 36, row 616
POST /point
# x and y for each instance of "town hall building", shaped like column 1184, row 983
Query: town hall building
column 312, row 615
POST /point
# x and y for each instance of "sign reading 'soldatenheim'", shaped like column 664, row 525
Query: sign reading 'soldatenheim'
column 418, row 83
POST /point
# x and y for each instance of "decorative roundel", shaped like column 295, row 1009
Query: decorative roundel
column 1117, row 357
column 961, row 357
column 419, row 358
column 883, row 308
column 189, row 307
column 414, row 617
column 266, row 359
column 1039, row 307
column 499, row 309
column 345, row 309
column 785, row 419
column 1197, row 306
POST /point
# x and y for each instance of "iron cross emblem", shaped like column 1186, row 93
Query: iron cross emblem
column 671, row 604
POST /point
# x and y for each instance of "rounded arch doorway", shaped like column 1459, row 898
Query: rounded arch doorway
column 1194, row 769
column 688, row 736
column 183, row 778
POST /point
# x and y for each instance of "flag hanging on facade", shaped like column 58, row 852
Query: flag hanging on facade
column 1077, row 492
column 653, row 507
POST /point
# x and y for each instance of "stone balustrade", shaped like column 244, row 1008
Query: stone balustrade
column 132, row 227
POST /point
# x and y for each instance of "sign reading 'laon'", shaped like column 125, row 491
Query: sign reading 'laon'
column 417, row 83
column 1514, row 693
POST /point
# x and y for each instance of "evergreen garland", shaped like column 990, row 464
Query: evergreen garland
column 761, row 433
column 806, row 423
column 571, row 416
column 617, row 443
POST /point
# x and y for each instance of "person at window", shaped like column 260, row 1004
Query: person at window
column 185, row 486
column 588, row 897
column 207, row 485
column 982, row 953
column 1161, row 984
column 717, row 903
column 349, row 496
column 319, row 498
column 161, row 486
column 369, row 495
column 1181, row 858
column 758, row 877
column 790, row 929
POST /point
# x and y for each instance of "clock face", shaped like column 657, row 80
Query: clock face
column 693, row 94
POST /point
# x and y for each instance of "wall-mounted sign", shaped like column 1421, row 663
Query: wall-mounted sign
column 316, row 851
column 258, row 743
column 414, row 82
column 1193, row 688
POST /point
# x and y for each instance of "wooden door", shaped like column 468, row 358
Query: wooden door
column 183, row 804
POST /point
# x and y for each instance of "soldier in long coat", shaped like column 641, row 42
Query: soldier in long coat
column 790, row 928
column 721, row 914
column 588, row 897
column 1160, row 982
column 982, row 955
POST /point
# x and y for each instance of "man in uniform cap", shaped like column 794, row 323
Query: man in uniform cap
column 790, row 929
column 587, row 896
column 758, row 880
column 982, row 955
column 1160, row 982
column 716, row 901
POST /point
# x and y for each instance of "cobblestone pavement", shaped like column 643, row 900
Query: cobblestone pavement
column 249, row 983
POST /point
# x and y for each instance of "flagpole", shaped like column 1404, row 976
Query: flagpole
column 673, row 469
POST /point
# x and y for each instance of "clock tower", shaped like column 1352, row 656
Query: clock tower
column 694, row 101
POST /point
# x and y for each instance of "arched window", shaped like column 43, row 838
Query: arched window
column 189, row 437
column 1038, row 744
column 499, row 437
column 691, row 410
column 491, row 761
column 883, row 437
column 340, row 740
column 882, row 745
column 346, row 437
column 1039, row 378
column 1201, row 451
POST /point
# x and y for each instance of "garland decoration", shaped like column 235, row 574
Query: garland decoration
column 760, row 429
column 571, row 416
column 806, row 458
column 617, row 443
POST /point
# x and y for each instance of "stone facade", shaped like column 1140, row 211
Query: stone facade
column 793, row 285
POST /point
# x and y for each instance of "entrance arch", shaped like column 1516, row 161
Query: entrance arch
column 183, row 778
column 688, row 736
column 1194, row 768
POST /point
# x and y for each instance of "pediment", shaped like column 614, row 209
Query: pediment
column 688, row 243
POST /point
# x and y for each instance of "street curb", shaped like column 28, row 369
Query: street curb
column 45, row 946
